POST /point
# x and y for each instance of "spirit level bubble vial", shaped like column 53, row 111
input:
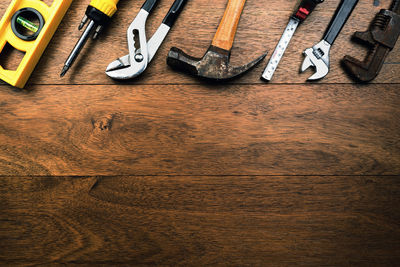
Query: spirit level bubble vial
column 28, row 26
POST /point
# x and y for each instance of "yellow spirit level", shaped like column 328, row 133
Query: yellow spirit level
column 28, row 26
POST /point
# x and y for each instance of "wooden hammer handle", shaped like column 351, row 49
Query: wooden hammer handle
column 227, row 28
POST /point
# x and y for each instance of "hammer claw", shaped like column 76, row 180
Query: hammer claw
column 237, row 71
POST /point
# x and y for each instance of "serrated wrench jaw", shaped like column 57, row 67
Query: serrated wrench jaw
column 317, row 57
column 322, row 71
column 307, row 63
column 132, row 65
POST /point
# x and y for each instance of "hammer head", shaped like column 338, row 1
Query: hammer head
column 214, row 65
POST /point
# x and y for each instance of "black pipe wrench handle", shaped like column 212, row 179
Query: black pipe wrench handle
column 174, row 12
column 338, row 21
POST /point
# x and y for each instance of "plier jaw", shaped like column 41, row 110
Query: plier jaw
column 132, row 65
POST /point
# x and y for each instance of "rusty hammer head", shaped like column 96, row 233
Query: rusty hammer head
column 214, row 65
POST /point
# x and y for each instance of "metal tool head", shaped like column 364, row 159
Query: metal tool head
column 214, row 65
column 367, row 70
column 317, row 57
column 152, row 45
column 381, row 38
column 135, row 63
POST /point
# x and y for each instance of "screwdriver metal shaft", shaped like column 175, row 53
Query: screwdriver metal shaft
column 78, row 47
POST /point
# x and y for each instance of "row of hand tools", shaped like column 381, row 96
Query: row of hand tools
column 18, row 29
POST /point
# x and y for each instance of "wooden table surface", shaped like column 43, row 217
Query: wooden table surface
column 168, row 170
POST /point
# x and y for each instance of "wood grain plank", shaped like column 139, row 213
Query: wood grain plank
column 200, row 130
column 259, row 30
column 197, row 221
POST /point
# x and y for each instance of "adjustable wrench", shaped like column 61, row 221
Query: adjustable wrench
column 381, row 37
column 318, row 55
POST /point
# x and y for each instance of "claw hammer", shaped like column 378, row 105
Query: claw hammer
column 214, row 65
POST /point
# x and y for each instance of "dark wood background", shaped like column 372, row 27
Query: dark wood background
column 168, row 170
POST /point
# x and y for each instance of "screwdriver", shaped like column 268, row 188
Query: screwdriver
column 98, row 14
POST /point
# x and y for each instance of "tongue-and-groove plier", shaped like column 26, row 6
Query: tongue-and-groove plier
column 142, row 52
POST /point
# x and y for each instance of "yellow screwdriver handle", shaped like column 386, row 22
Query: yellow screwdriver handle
column 108, row 7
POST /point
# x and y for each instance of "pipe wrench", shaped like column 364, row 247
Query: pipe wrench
column 381, row 38
column 142, row 52
column 318, row 55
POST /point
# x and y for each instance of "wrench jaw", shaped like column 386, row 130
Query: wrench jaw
column 367, row 70
column 307, row 63
column 318, row 58
column 134, row 64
